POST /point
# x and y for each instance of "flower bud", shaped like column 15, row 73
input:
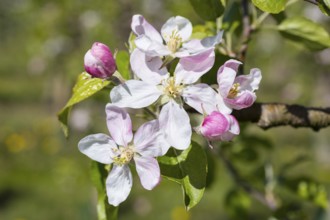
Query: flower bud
column 214, row 126
column 99, row 61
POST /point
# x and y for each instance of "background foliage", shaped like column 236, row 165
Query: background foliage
column 43, row 176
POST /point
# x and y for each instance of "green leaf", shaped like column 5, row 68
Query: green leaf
column 208, row 10
column 98, row 176
column 324, row 6
column 271, row 6
column 304, row 31
column 122, row 61
column 188, row 168
column 84, row 88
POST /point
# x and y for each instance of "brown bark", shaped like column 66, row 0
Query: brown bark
column 268, row 115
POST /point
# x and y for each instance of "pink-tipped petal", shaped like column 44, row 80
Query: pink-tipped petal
column 233, row 131
column 244, row 100
column 118, row 184
column 98, row 147
column 119, row 124
column 140, row 26
column 191, row 68
column 251, row 81
column 148, row 171
column 148, row 68
column 175, row 124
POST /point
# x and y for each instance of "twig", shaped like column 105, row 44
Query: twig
column 269, row 115
column 247, row 30
column 246, row 186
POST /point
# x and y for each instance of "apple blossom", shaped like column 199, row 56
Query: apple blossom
column 237, row 92
column 121, row 148
column 99, row 62
column 175, row 33
column 156, row 82
column 218, row 127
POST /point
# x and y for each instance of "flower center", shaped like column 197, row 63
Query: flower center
column 174, row 42
column 124, row 155
column 171, row 89
column 233, row 91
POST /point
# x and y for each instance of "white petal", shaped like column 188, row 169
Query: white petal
column 198, row 46
column 191, row 68
column 226, row 77
column 119, row 124
column 175, row 124
column 201, row 97
column 148, row 171
column 149, row 140
column 179, row 24
column 134, row 94
column 119, row 184
column 152, row 48
column 98, row 147
column 141, row 26
column 222, row 106
column 147, row 68
column 212, row 41
column 250, row 82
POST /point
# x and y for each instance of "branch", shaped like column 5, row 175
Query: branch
column 247, row 30
column 268, row 115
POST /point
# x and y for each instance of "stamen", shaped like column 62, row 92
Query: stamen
column 174, row 42
column 125, row 155
column 233, row 91
column 171, row 89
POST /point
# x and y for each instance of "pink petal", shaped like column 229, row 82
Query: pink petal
column 191, row 68
column 243, row 100
column 148, row 171
column 119, row 124
column 214, row 125
column 140, row 26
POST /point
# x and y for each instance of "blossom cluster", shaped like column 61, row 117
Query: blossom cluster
column 171, row 92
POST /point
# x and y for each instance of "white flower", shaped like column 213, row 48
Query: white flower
column 173, row 90
column 173, row 40
column 121, row 148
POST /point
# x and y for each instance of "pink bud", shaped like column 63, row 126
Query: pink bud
column 214, row 126
column 99, row 61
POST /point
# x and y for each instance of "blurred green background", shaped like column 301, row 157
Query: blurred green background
column 43, row 176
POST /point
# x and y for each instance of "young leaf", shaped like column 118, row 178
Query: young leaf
column 208, row 10
column 271, row 6
column 305, row 31
column 84, row 88
column 188, row 168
